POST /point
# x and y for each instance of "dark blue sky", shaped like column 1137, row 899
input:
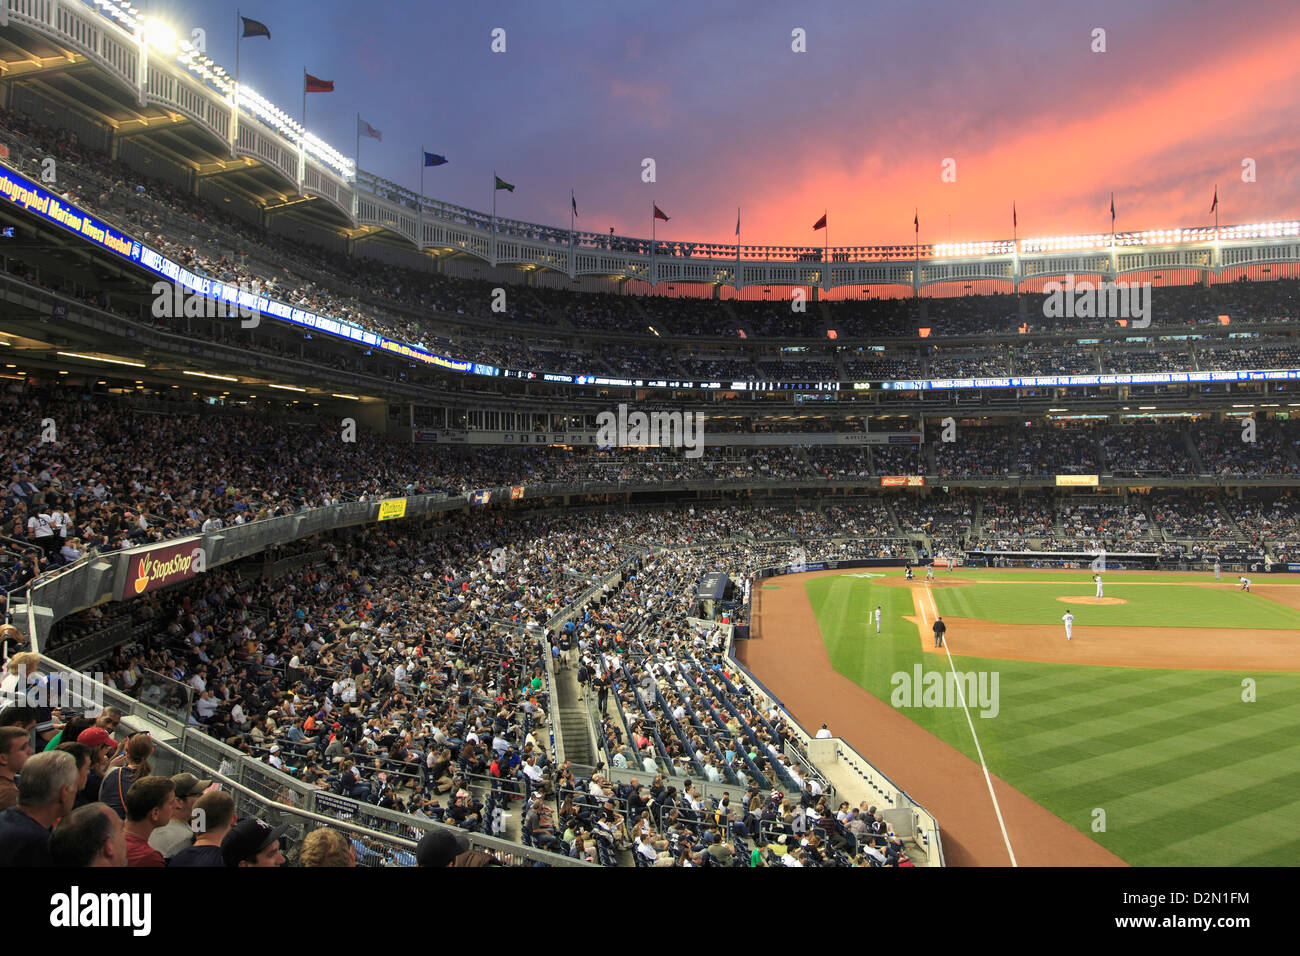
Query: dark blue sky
column 859, row 124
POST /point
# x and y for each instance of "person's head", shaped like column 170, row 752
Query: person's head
column 439, row 847
column 151, row 799
column 92, row 835
column 138, row 751
column 326, row 847
column 73, row 728
column 25, row 663
column 49, row 783
column 108, row 719
column 253, row 843
column 16, row 716
column 99, row 743
column 188, row 790
column 81, row 754
column 212, row 815
column 15, row 749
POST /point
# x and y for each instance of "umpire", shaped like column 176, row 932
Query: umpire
column 939, row 628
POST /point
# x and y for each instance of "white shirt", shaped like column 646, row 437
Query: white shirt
column 1068, row 619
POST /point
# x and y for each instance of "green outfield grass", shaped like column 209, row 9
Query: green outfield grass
column 1187, row 773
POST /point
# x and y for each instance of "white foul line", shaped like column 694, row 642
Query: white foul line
column 987, row 779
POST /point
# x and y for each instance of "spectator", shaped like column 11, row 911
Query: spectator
column 150, row 804
column 326, row 847
column 119, row 780
column 213, row 816
column 253, row 843
column 92, row 835
column 100, row 744
column 178, row 832
column 46, row 793
column 15, row 749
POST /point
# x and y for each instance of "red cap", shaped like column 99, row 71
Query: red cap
column 95, row 737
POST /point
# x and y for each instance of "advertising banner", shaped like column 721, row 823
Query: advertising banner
column 151, row 568
column 392, row 508
column 903, row 481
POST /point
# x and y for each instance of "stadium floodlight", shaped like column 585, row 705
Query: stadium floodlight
column 160, row 36
column 101, row 358
column 220, row 378
column 288, row 388
column 355, row 398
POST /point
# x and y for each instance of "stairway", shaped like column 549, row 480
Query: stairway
column 572, row 720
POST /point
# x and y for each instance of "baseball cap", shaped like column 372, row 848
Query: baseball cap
column 188, row 785
column 96, row 737
column 247, row 839
column 440, row 847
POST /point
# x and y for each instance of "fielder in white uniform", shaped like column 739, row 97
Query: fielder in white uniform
column 1216, row 569
column 1245, row 583
column 877, row 618
column 929, row 572
column 1097, row 578
column 1069, row 624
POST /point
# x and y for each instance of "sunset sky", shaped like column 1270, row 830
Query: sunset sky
column 859, row 125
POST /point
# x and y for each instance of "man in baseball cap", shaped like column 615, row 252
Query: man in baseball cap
column 253, row 843
column 177, row 834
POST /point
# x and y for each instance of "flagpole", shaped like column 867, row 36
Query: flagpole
column 573, row 201
column 304, row 99
column 234, row 98
column 358, row 165
column 421, row 176
column 736, row 282
column 916, row 269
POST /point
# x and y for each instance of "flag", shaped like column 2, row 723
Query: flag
column 253, row 28
column 820, row 223
column 574, row 201
column 1215, row 205
column 314, row 85
column 916, row 220
column 433, row 159
column 659, row 214
column 1014, row 223
column 365, row 129
column 738, row 221
column 1112, row 209
column 502, row 184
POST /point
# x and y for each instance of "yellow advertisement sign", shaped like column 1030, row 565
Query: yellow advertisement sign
column 1089, row 481
column 392, row 508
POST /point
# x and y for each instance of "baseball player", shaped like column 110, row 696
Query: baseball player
column 909, row 572
column 929, row 571
column 1245, row 584
column 939, row 628
column 877, row 618
column 1069, row 624
column 1216, row 569
column 1097, row 578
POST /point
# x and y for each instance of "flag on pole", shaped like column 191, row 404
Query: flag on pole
column 1112, row 210
column 1014, row 221
column 1215, row 205
column 820, row 223
column 254, row 28
column 365, row 129
column 659, row 214
column 433, row 159
column 737, row 220
column 502, row 184
column 573, row 200
column 916, row 219
column 315, row 85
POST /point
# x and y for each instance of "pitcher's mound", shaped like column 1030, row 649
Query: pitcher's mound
column 1091, row 600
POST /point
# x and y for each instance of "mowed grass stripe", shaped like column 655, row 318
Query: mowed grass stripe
column 1168, row 750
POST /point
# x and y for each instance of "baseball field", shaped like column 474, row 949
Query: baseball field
column 1166, row 732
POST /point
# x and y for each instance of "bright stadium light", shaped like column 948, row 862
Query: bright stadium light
column 220, row 378
column 288, row 388
column 160, row 36
column 101, row 358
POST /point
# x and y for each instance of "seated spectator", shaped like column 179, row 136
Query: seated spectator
column 15, row 749
column 91, row 835
column 132, row 765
